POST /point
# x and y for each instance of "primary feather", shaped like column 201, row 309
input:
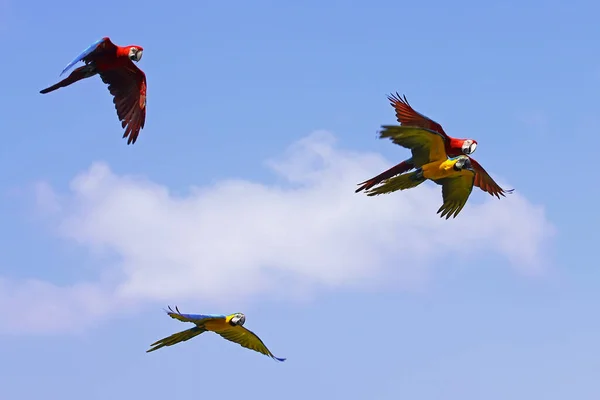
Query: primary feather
column 248, row 339
column 400, row 182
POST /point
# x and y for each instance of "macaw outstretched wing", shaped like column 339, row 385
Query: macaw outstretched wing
column 426, row 145
column 193, row 318
column 176, row 338
column 484, row 181
column 455, row 192
column 128, row 87
column 246, row 338
column 105, row 42
column 406, row 115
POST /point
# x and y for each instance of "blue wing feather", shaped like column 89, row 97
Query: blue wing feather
column 194, row 318
column 203, row 316
column 84, row 54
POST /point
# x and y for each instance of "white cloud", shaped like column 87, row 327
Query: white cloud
column 35, row 305
column 239, row 239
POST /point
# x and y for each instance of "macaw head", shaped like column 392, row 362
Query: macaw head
column 238, row 319
column 469, row 146
column 135, row 53
column 463, row 162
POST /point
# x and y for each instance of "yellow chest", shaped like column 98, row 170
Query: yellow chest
column 439, row 169
column 217, row 326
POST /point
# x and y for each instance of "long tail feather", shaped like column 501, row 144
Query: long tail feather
column 395, row 170
column 176, row 338
column 401, row 182
column 78, row 74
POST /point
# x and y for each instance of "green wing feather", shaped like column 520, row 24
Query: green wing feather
column 455, row 193
column 426, row 145
column 176, row 338
column 246, row 338
column 401, row 182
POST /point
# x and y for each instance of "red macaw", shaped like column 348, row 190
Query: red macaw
column 126, row 82
column 407, row 116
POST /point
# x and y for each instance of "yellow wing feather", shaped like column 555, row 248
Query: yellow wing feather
column 246, row 338
column 455, row 192
column 176, row 338
column 426, row 146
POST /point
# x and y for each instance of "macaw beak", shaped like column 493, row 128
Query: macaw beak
column 463, row 163
column 469, row 148
column 468, row 166
column 135, row 54
column 473, row 147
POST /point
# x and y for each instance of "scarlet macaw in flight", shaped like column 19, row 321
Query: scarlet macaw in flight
column 126, row 82
column 456, row 175
column 407, row 116
column 229, row 327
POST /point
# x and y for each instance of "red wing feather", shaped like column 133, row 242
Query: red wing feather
column 128, row 87
column 406, row 115
column 484, row 181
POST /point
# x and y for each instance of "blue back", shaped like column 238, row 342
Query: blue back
column 84, row 54
column 203, row 316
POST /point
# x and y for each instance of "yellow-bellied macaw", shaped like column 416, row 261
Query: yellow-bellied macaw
column 456, row 175
column 228, row 326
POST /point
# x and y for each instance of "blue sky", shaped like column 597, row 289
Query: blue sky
column 239, row 196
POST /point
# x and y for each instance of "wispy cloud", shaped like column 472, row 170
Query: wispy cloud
column 238, row 239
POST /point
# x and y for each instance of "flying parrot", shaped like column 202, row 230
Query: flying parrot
column 456, row 175
column 228, row 326
column 407, row 116
column 126, row 82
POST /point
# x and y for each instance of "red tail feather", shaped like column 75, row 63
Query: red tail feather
column 395, row 170
column 78, row 74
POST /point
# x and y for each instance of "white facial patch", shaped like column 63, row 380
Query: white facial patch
column 135, row 54
column 468, row 146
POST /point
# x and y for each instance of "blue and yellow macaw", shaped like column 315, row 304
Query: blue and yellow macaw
column 228, row 326
column 456, row 175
